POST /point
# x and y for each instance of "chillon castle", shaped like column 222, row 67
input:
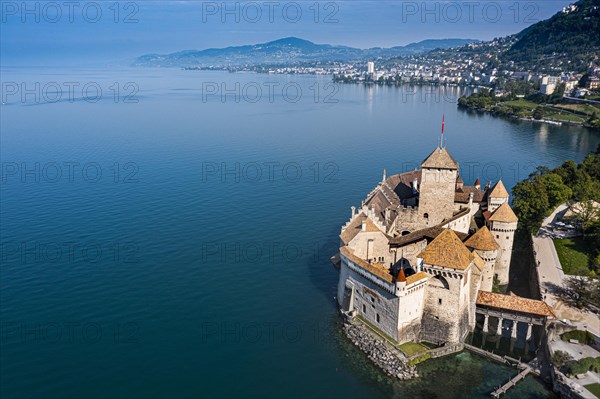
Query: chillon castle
column 420, row 249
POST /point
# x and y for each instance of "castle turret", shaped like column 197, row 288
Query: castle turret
column 484, row 244
column 498, row 196
column 438, row 183
column 401, row 279
column 503, row 224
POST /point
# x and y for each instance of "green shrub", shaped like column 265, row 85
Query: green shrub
column 584, row 365
column 584, row 337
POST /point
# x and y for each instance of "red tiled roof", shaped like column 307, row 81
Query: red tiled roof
column 514, row 303
column 447, row 250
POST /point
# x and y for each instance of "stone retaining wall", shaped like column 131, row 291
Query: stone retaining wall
column 378, row 352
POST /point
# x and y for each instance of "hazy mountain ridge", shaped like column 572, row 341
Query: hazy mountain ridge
column 289, row 50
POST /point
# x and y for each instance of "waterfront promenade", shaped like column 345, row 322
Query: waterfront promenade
column 552, row 279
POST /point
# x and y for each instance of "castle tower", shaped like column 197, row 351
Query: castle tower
column 503, row 224
column 484, row 244
column 497, row 197
column 448, row 297
column 438, row 184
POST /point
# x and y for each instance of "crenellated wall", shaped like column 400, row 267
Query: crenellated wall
column 409, row 218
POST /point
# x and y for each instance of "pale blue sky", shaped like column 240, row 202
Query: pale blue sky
column 68, row 34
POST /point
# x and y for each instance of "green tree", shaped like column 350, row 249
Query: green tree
column 561, row 358
column 539, row 171
column 531, row 202
column 568, row 172
column 556, row 190
column 538, row 113
column 591, row 165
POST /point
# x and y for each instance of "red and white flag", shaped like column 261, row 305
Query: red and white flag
column 443, row 125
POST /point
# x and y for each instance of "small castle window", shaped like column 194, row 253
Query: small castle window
column 377, row 317
column 507, row 237
column 439, row 301
column 364, row 308
column 498, row 236
column 426, row 215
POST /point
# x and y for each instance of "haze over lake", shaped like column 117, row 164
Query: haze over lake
column 173, row 233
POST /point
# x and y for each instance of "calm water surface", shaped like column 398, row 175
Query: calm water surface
column 179, row 246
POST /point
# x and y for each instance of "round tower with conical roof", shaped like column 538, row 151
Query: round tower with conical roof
column 503, row 224
column 484, row 244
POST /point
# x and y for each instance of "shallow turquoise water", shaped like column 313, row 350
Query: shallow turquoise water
column 146, row 272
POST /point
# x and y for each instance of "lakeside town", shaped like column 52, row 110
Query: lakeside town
column 507, row 76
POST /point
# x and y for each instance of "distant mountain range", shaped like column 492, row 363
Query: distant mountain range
column 289, row 51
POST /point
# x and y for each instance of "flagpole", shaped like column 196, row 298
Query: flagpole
column 443, row 138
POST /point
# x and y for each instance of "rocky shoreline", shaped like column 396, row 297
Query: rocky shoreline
column 379, row 353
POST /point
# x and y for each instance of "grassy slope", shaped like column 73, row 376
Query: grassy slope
column 572, row 253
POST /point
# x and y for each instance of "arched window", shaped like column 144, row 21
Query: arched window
column 405, row 232
column 426, row 215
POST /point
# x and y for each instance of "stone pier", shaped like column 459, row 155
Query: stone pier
column 529, row 331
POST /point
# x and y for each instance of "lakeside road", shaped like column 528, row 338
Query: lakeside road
column 552, row 278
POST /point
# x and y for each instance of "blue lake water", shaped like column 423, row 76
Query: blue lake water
column 171, row 236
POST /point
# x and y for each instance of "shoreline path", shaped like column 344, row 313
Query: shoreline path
column 552, row 277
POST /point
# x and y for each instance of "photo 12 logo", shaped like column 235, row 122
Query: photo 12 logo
column 271, row 171
column 54, row 92
column 68, row 332
column 456, row 12
column 270, row 12
column 52, row 12
column 69, row 171
column 68, row 253
column 254, row 92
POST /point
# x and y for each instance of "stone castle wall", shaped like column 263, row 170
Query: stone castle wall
column 379, row 250
column 409, row 219
column 410, row 312
column 461, row 224
column 436, row 195
column 444, row 308
column 370, row 301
